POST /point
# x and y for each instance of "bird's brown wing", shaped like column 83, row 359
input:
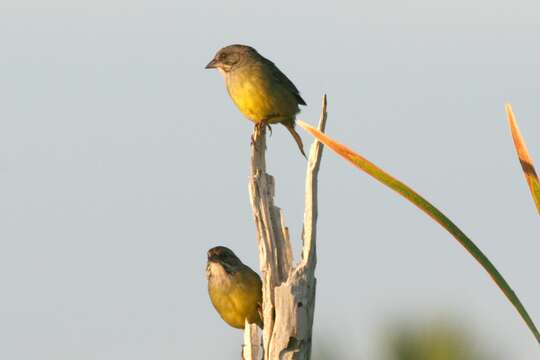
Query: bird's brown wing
column 261, row 315
column 283, row 79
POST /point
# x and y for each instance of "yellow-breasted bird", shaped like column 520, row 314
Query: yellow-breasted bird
column 258, row 88
column 235, row 290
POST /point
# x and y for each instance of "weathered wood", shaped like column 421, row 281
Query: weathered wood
column 288, row 290
column 251, row 347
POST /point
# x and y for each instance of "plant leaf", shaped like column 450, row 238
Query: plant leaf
column 424, row 205
column 524, row 158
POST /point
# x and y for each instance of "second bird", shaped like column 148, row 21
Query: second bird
column 258, row 88
column 235, row 290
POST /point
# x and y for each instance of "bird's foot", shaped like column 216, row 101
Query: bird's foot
column 259, row 129
column 269, row 127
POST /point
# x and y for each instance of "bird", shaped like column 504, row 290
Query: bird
column 234, row 289
column 258, row 88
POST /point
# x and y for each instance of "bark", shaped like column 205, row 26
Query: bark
column 288, row 289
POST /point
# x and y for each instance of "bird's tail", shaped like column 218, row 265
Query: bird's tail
column 290, row 126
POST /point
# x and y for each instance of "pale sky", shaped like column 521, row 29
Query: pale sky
column 122, row 160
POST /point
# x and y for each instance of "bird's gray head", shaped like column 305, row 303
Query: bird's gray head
column 224, row 257
column 232, row 56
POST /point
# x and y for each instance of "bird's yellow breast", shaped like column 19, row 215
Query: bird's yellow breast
column 236, row 297
column 259, row 96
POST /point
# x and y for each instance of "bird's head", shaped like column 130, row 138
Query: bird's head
column 230, row 57
column 224, row 257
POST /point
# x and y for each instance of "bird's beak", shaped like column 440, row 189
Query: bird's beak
column 211, row 65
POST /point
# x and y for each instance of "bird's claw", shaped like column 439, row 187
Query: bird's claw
column 269, row 128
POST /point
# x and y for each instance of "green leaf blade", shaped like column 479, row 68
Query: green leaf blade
column 525, row 159
column 424, row 205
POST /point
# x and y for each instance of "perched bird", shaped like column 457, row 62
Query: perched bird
column 258, row 88
column 234, row 289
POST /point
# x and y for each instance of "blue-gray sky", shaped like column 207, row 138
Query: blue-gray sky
column 123, row 160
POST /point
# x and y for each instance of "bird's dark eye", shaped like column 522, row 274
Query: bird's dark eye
column 222, row 56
